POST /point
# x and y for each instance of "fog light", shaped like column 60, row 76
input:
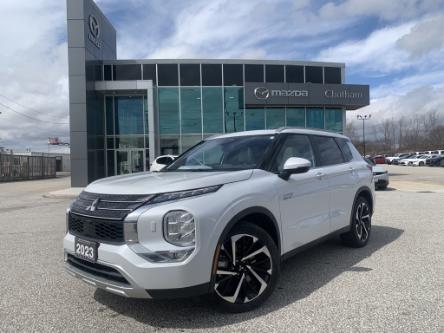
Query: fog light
column 130, row 232
column 167, row 256
column 179, row 228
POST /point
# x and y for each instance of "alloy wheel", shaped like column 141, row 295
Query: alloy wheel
column 362, row 221
column 244, row 269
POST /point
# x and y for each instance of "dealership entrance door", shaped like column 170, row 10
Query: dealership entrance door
column 129, row 161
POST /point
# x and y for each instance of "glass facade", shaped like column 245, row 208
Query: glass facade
column 126, row 128
column 193, row 101
column 315, row 117
column 212, row 107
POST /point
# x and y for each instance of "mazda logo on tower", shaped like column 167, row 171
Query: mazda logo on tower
column 94, row 27
column 94, row 31
column 261, row 93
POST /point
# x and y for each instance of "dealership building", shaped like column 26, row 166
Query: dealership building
column 124, row 113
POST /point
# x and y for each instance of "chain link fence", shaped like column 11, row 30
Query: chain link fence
column 21, row 167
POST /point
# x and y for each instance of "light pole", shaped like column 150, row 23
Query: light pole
column 363, row 118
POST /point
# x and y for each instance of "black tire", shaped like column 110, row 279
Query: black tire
column 242, row 283
column 360, row 224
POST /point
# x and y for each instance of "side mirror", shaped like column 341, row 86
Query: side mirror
column 294, row 165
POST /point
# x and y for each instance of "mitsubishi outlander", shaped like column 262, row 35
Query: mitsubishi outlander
column 220, row 218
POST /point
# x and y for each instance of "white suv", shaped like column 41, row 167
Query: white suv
column 220, row 219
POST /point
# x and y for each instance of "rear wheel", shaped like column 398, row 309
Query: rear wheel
column 360, row 226
column 247, row 268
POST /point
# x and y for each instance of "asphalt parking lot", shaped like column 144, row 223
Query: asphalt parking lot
column 395, row 284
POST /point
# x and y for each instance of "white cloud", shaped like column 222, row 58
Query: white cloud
column 383, row 9
column 408, row 105
column 424, row 37
column 377, row 52
column 33, row 72
column 415, row 43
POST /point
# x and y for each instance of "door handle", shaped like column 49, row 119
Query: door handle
column 319, row 175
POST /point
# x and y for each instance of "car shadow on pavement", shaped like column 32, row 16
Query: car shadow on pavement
column 301, row 275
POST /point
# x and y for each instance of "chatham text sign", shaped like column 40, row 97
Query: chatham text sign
column 350, row 96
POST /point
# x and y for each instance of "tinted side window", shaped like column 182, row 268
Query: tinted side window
column 346, row 152
column 327, row 151
column 164, row 160
column 295, row 145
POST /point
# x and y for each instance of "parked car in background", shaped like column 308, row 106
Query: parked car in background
column 407, row 161
column 379, row 159
column 161, row 162
column 395, row 159
column 421, row 161
column 380, row 175
column 438, row 160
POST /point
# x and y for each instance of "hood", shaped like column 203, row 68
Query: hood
column 161, row 182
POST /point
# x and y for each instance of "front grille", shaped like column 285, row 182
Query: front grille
column 107, row 231
column 96, row 269
column 108, row 206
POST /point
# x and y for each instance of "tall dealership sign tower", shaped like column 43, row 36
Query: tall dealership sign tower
column 91, row 39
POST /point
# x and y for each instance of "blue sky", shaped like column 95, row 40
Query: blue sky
column 395, row 46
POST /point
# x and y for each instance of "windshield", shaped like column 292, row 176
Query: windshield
column 225, row 154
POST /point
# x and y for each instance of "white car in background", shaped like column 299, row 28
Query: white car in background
column 408, row 161
column 396, row 157
column 421, row 161
column 161, row 162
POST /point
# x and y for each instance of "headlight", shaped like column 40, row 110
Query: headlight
column 179, row 228
column 183, row 194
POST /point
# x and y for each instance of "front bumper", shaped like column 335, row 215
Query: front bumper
column 144, row 279
column 381, row 180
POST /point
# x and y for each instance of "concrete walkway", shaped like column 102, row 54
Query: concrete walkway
column 66, row 193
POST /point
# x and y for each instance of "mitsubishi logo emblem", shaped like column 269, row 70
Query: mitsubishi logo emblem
column 94, row 26
column 261, row 93
column 93, row 206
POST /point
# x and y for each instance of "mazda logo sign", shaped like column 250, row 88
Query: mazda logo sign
column 94, row 27
column 261, row 93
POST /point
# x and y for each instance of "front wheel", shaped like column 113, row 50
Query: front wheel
column 360, row 225
column 247, row 268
